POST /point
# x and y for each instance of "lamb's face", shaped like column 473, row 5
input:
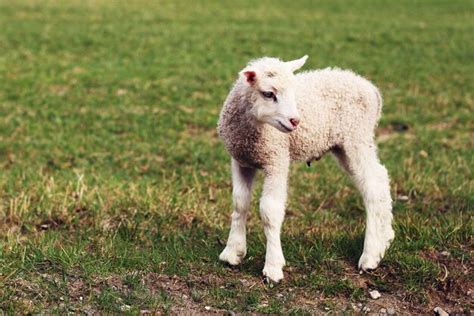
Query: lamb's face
column 273, row 87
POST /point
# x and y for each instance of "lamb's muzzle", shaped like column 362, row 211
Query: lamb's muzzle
column 294, row 122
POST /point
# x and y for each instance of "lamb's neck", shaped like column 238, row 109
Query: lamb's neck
column 241, row 133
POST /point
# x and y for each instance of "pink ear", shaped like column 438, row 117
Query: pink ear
column 251, row 76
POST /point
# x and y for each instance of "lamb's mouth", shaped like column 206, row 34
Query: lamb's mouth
column 283, row 125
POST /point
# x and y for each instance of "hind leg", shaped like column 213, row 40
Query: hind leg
column 371, row 178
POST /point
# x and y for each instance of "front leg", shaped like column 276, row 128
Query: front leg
column 272, row 212
column 236, row 248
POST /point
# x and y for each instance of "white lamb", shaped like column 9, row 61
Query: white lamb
column 272, row 117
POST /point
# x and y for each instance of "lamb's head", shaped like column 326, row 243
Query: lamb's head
column 271, row 83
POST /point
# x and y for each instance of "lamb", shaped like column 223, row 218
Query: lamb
column 273, row 117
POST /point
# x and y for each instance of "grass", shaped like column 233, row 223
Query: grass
column 115, row 190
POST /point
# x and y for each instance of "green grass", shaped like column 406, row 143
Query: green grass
column 115, row 190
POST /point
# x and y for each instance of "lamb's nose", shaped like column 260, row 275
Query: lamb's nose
column 294, row 122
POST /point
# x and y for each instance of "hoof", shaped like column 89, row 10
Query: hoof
column 368, row 263
column 272, row 274
column 374, row 251
column 231, row 256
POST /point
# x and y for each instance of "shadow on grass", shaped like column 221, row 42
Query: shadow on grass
column 349, row 247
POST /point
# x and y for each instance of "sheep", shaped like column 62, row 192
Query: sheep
column 273, row 117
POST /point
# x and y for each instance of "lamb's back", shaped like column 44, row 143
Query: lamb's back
column 334, row 105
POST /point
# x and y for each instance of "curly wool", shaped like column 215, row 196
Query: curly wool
column 272, row 117
column 337, row 107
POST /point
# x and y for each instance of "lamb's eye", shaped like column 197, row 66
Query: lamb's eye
column 269, row 95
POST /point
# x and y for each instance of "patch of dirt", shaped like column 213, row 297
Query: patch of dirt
column 77, row 289
column 51, row 223
column 440, row 126
column 175, row 287
column 453, row 290
column 392, row 130
column 455, row 286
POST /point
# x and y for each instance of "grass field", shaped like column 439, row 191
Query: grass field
column 115, row 190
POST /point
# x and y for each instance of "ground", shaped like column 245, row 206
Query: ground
column 115, row 189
